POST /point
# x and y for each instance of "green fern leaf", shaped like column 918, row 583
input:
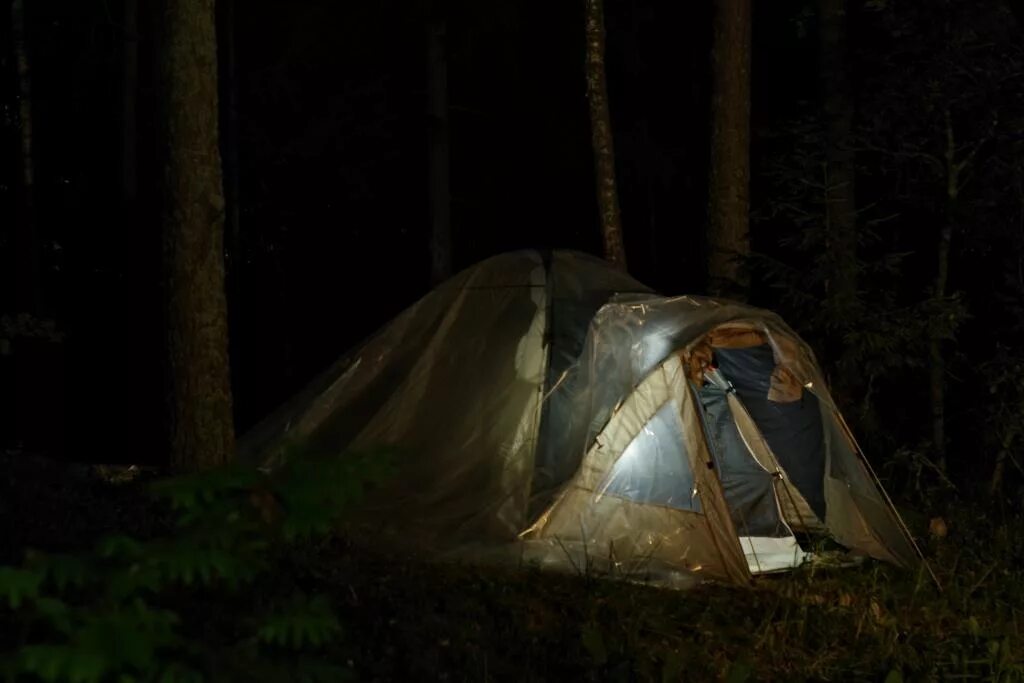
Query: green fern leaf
column 64, row 663
column 19, row 585
column 304, row 623
column 56, row 613
column 120, row 547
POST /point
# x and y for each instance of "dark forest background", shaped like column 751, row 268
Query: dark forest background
column 328, row 120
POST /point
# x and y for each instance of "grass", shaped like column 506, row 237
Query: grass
column 406, row 619
column 872, row 623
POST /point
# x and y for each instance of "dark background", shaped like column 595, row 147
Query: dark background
column 333, row 142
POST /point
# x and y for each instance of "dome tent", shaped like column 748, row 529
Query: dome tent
column 551, row 408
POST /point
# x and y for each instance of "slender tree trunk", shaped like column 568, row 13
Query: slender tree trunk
column 937, row 368
column 440, row 184
column 32, row 393
column 129, row 106
column 229, row 147
column 840, row 199
column 200, row 405
column 601, row 135
column 840, row 182
column 936, row 357
column 729, row 182
column 26, row 239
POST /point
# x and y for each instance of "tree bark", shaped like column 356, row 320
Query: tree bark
column 200, row 404
column 440, row 182
column 601, row 136
column 26, row 239
column 729, row 182
column 229, row 148
column 840, row 188
column 129, row 105
column 840, row 185
column 936, row 357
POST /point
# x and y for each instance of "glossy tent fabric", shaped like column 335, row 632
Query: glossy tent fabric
column 503, row 389
column 586, row 514
column 472, row 356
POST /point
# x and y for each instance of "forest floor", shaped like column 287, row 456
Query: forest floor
column 409, row 620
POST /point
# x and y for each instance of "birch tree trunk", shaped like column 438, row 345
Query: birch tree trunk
column 200, row 404
column 729, row 182
column 601, row 136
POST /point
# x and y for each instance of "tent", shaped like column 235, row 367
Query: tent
column 548, row 407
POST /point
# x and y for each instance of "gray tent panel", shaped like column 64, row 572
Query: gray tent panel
column 793, row 430
column 881, row 520
column 578, row 286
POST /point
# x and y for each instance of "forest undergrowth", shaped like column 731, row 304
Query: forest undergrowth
column 213, row 580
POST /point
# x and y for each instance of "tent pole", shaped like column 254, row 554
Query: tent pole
column 792, row 501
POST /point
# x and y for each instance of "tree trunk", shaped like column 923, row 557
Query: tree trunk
column 840, row 197
column 229, row 147
column 937, row 361
column 601, row 135
column 200, row 405
column 840, row 184
column 129, row 107
column 729, row 182
column 26, row 240
column 440, row 190
column 936, row 358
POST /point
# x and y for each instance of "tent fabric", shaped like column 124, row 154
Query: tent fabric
column 749, row 488
column 583, row 514
column 795, row 508
column 547, row 406
column 579, row 286
column 654, row 468
column 793, row 429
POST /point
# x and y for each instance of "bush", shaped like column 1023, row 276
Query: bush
column 210, row 600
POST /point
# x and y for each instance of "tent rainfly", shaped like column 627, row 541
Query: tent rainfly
column 548, row 407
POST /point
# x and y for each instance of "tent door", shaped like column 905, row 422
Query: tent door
column 750, row 488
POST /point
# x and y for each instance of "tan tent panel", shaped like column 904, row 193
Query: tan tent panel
column 546, row 406
column 694, row 534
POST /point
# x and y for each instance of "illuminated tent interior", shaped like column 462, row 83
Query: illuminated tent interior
column 547, row 408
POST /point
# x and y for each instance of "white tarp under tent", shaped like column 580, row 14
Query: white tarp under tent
column 548, row 408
